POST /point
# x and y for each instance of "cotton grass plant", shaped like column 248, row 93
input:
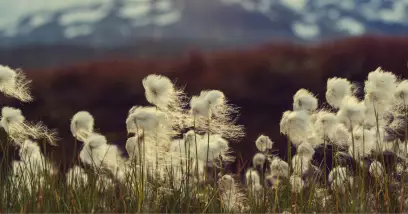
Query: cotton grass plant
column 350, row 155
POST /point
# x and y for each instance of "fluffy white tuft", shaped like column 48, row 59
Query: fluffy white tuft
column 351, row 111
column 284, row 122
column 252, row 178
column 338, row 173
column 95, row 141
column 380, row 84
column 213, row 97
column 259, row 160
column 19, row 130
column 159, row 90
column 304, row 100
column 82, row 125
column 305, row 150
column 146, row 118
column 227, row 182
column 280, row 167
column 325, row 121
column 132, row 147
column 13, row 83
column 200, row 106
column 337, row 90
column 297, row 183
column 217, row 147
column 297, row 126
column 364, row 142
column 376, row 170
column 9, row 116
column 6, row 75
column 263, row 143
column 300, row 165
column 401, row 92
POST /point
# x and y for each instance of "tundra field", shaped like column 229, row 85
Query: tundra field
column 347, row 152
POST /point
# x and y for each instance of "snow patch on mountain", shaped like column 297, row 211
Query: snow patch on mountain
column 351, row 26
column 167, row 18
column 305, row 30
column 395, row 14
column 39, row 20
column 141, row 9
column 12, row 11
column 79, row 30
column 296, row 5
column 164, row 5
column 88, row 16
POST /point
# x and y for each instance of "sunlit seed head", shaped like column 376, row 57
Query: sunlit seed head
column 7, row 75
column 29, row 150
column 325, row 121
column 284, row 122
column 159, row 90
column 217, row 147
column 402, row 92
column 280, row 167
column 252, row 177
column 82, row 121
column 380, row 86
column 213, row 97
column 190, row 137
column 132, row 147
column 383, row 79
column 351, row 111
column 376, row 170
column 339, row 173
column 337, row 90
column 298, row 120
column 339, row 135
column 300, row 165
column 146, row 118
column 304, row 100
column 314, row 140
column 96, row 140
column 9, row 116
column 226, row 182
column 364, row 142
column 13, row 83
column 297, row 183
column 200, row 106
column 263, row 143
column 361, row 135
column 259, row 159
column 298, row 127
column 305, row 150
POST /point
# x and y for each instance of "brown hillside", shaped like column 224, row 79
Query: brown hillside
column 261, row 81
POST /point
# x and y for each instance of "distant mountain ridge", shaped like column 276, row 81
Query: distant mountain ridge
column 115, row 23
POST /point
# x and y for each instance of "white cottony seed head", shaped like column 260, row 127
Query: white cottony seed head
column 263, row 143
column 304, row 100
column 337, row 90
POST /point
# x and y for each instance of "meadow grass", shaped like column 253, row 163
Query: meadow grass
column 163, row 173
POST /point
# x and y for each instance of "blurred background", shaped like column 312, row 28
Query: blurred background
column 92, row 54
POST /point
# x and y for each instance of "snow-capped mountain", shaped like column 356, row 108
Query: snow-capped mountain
column 119, row 22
